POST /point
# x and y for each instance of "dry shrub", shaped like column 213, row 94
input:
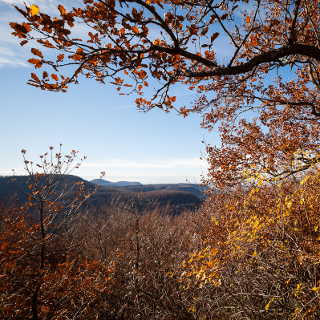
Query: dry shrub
column 118, row 265
column 144, row 250
column 261, row 257
column 64, row 287
column 252, row 253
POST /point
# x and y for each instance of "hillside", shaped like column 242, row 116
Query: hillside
column 106, row 183
column 174, row 198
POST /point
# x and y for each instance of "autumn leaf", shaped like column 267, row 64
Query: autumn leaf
column 35, row 77
column 214, row 36
column 45, row 309
column 4, row 245
column 37, row 52
column 54, row 77
column 37, row 63
column 184, row 112
column 142, row 74
column 76, row 57
column 27, row 27
column 135, row 30
column 60, row 57
column 34, row 10
column 62, row 9
column 224, row 16
column 23, row 42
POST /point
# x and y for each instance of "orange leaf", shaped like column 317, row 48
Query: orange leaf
column 135, row 30
column 247, row 19
column 4, row 245
column 142, row 74
column 54, row 77
column 60, row 57
column 37, row 63
column 76, row 57
column 37, row 52
column 45, row 309
column 254, row 41
column 62, row 9
column 35, row 77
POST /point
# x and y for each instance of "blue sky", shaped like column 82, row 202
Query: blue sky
column 151, row 147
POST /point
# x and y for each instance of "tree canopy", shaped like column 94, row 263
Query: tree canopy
column 262, row 92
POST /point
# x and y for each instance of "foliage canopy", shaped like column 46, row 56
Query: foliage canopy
column 263, row 93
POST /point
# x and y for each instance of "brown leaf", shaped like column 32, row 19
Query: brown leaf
column 37, row 52
column 35, row 77
column 37, row 63
column 135, row 30
column 62, row 9
column 214, row 36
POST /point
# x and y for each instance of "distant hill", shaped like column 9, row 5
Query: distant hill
column 106, row 183
column 15, row 188
column 196, row 189
column 172, row 198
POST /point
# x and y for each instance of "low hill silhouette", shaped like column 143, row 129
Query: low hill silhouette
column 171, row 198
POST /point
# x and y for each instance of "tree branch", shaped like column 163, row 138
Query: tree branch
column 266, row 57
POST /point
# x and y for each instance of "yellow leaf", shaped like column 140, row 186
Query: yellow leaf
column 267, row 306
column 289, row 204
column 34, row 10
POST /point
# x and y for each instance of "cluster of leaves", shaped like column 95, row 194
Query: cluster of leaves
column 264, row 96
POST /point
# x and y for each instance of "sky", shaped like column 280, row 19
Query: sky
column 152, row 147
